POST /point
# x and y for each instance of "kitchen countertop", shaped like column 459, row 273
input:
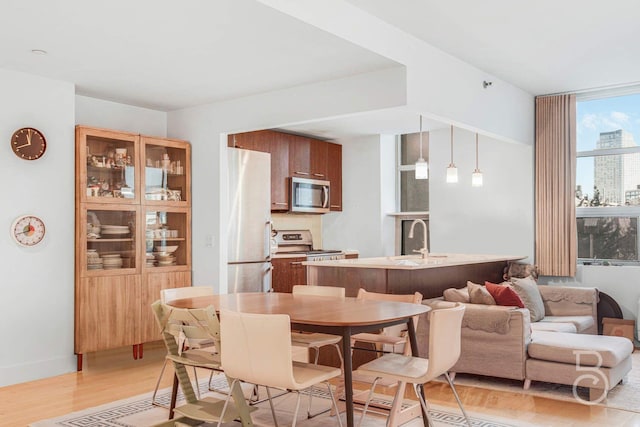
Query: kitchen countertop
column 415, row 262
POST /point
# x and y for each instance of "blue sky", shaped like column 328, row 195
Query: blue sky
column 603, row 115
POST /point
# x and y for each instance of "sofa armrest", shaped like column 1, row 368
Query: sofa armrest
column 490, row 333
column 571, row 301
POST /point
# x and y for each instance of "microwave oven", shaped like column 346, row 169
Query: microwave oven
column 309, row 195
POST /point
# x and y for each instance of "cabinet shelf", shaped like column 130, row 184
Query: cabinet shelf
column 173, row 239
column 129, row 239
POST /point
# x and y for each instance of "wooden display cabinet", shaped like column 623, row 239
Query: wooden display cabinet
column 120, row 267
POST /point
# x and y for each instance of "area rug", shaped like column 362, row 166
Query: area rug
column 138, row 412
column 623, row 396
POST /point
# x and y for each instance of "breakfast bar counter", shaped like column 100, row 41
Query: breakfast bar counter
column 409, row 273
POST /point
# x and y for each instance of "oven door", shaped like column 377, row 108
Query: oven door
column 309, row 195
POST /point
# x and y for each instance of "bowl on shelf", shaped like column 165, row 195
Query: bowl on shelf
column 166, row 249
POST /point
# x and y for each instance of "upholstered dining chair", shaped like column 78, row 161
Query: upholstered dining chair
column 177, row 326
column 257, row 350
column 174, row 294
column 317, row 340
column 445, row 325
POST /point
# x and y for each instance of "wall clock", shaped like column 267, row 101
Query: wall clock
column 28, row 143
column 27, row 230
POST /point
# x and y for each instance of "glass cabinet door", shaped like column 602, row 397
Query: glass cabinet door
column 166, row 177
column 110, row 162
column 167, row 238
column 111, row 240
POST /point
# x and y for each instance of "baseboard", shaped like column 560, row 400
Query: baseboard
column 21, row 373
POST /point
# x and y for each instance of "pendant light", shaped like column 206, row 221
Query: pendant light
column 422, row 167
column 452, row 170
column 476, row 177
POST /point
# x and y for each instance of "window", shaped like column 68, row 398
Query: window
column 413, row 194
column 608, row 180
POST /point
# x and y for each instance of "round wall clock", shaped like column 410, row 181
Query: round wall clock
column 28, row 143
column 27, row 230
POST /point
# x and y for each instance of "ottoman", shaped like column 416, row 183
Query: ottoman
column 597, row 362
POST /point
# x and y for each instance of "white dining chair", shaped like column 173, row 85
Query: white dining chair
column 445, row 326
column 317, row 340
column 257, row 350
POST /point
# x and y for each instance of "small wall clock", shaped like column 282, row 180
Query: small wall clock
column 27, row 230
column 28, row 143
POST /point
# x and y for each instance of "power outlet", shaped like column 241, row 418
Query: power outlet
column 208, row 241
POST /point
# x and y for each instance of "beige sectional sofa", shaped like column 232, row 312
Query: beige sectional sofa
column 496, row 339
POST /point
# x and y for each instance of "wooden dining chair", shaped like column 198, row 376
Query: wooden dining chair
column 179, row 293
column 257, row 350
column 179, row 325
column 445, row 326
column 317, row 340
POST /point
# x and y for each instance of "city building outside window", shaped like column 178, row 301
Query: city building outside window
column 608, row 180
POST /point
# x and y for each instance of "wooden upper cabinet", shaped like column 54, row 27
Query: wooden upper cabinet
column 280, row 172
column 255, row 141
column 318, row 159
column 334, row 172
column 300, row 156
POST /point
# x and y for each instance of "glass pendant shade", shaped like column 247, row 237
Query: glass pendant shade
column 452, row 173
column 422, row 167
column 476, row 178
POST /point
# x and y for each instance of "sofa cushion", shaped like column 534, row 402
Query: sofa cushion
column 456, row 295
column 504, row 295
column 580, row 323
column 478, row 294
column 567, row 348
column 527, row 290
column 554, row 327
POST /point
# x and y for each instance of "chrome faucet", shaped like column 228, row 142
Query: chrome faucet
column 424, row 250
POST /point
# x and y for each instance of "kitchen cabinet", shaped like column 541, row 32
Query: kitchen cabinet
column 295, row 155
column 334, row 175
column 288, row 272
column 133, row 234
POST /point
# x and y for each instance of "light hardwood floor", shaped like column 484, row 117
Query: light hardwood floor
column 113, row 375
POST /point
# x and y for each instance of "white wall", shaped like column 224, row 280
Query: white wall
column 36, row 307
column 368, row 194
column 111, row 115
column 496, row 218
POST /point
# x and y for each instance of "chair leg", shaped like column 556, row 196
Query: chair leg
column 366, row 404
column 396, row 406
column 295, row 412
column 455, row 393
column 315, row 362
column 195, row 377
column 155, row 391
column 334, row 403
column 425, row 405
column 273, row 411
column 226, row 402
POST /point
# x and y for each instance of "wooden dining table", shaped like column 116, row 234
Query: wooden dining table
column 337, row 316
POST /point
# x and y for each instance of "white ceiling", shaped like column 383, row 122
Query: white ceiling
column 166, row 55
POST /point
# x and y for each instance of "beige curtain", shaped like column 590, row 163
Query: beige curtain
column 556, row 250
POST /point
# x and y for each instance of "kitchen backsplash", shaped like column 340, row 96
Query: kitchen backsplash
column 300, row 222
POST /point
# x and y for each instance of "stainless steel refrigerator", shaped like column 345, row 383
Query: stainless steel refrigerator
column 249, row 263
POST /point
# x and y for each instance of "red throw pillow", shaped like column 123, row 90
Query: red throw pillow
column 504, row 295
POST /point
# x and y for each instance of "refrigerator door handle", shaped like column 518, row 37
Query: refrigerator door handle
column 266, row 280
column 268, row 226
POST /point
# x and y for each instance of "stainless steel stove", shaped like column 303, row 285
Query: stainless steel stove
column 301, row 242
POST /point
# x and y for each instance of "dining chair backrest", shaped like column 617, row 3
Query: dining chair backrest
column 325, row 291
column 257, row 348
column 398, row 330
column 185, row 292
column 445, row 329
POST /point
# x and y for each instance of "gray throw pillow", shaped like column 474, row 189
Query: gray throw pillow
column 478, row 294
column 527, row 290
column 456, row 295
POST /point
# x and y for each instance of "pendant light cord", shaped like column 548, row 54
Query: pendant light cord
column 452, row 144
column 421, row 136
column 476, row 151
